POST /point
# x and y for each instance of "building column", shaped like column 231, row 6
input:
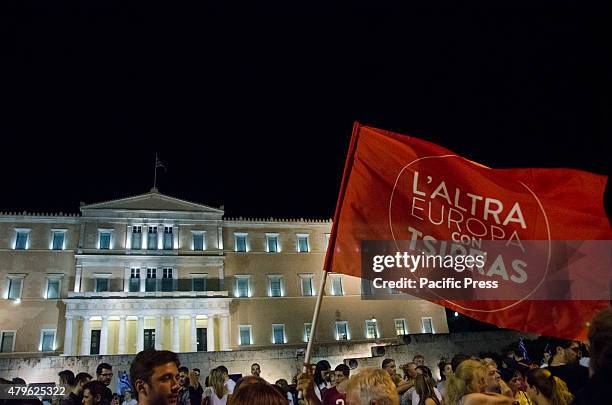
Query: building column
column 68, row 337
column 143, row 279
column 210, row 334
column 225, row 332
column 140, row 336
column 194, row 332
column 121, row 345
column 86, row 337
column 175, row 334
column 158, row 336
column 104, row 336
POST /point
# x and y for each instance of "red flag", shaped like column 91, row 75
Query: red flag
column 399, row 188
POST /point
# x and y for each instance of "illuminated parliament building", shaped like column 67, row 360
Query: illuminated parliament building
column 157, row 271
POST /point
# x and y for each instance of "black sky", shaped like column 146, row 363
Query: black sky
column 252, row 107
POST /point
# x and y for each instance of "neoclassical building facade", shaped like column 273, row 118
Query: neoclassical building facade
column 157, row 271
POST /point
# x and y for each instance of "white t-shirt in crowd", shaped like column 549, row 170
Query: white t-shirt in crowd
column 130, row 402
column 230, row 384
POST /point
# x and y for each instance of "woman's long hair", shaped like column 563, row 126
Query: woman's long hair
column 217, row 383
column 424, row 387
column 323, row 365
column 467, row 379
column 553, row 388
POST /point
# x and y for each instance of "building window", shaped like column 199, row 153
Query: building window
column 15, row 286
column 151, row 281
column 198, row 241
column 307, row 290
column 272, row 243
column 152, row 238
column 94, row 347
column 199, row 283
column 134, row 280
column 101, row 284
column 242, row 286
column 52, row 291
column 336, row 285
column 307, row 328
column 302, row 243
column 136, row 237
column 168, row 240
column 47, row 340
column 326, row 241
column 342, row 330
column 240, row 240
column 201, row 339
column 104, row 239
column 245, row 335
column 167, row 280
column 400, row 327
column 371, row 329
column 278, row 334
column 427, row 325
column 59, row 236
column 275, row 286
column 149, row 339
column 22, row 238
column 7, row 341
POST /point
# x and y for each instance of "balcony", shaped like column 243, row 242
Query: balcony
column 151, row 287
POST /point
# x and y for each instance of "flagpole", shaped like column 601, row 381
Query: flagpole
column 315, row 321
column 155, row 172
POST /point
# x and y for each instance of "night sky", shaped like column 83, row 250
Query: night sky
column 252, row 107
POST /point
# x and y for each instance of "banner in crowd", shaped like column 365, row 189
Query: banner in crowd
column 538, row 238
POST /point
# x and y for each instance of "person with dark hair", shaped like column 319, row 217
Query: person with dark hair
column 425, row 392
column 283, row 386
column 412, row 396
column 389, row 366
column 128, row 398
column 543, row 388
column 66, row 377
column 75, row 396
column 116, row 400
column 96, row 393
column 184, row 398
column 564, row 364
column 337, row 393
column 446, row 370
column 104, row 373
column 419, row 360
column 258, row 393
column 322, row 378
column 600, row 349
column 154, row 376
column 255, row 370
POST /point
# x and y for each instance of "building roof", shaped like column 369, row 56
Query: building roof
column 152, row 200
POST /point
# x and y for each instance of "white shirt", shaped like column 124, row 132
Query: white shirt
column 130, row 402
column 230, row 384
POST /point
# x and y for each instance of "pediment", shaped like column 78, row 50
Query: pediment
column 152, row 201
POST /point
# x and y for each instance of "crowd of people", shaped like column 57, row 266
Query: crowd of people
column 558, row 377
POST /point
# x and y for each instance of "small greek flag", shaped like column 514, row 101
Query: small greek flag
column 123, row 383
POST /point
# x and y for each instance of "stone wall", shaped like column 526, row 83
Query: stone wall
column 276, row 363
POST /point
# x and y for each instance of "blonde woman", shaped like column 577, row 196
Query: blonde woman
column 219, row 390
column 467, row 387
